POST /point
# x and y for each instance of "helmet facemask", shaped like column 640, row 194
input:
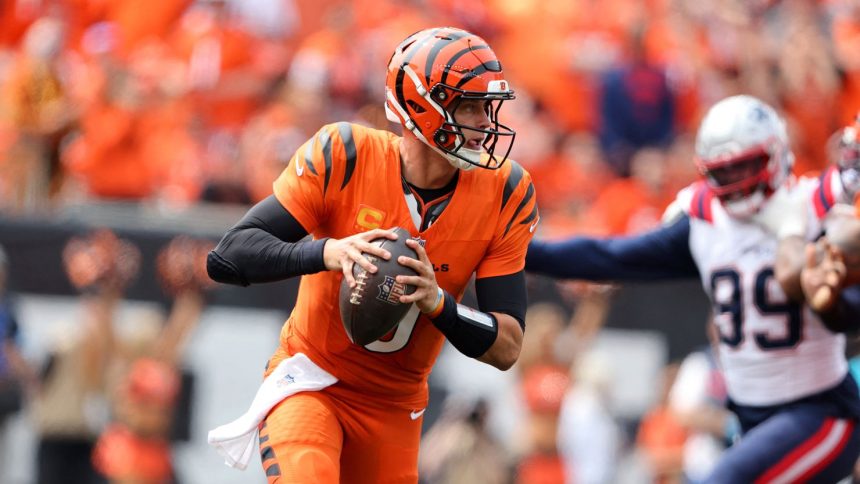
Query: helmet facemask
column 451, row 138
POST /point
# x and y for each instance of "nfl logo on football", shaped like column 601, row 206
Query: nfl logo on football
column 390, row 291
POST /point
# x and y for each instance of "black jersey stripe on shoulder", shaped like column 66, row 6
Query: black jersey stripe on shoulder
column 324, row 138
column 531, row 216
column 530, row 193
column 309, row 157
column 345, row 130
column 513, row 180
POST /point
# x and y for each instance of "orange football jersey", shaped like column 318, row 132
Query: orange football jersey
column 346, row 180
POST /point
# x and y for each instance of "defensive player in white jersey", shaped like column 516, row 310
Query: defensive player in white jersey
column 784, row 364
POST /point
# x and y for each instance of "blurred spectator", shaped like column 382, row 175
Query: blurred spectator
column 17, row 378
column 661, row 436
column 69, row 410
column 543, row 388
column 226, row 174
column 135, row 447
column 546, row 321
column 698, row 398
column 845, row 30
column 633, row 204
column 36, row 102
column 571, row 180
column 589, row 438
column 134, row 140
column 809, row 82
column 637, row 107
column 458, row 448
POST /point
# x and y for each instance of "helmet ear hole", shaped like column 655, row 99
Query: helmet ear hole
column 417, row 108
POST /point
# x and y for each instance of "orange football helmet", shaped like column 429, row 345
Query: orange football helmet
column 429, row 75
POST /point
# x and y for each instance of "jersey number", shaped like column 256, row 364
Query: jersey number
column 734, row 306
column 401, row 334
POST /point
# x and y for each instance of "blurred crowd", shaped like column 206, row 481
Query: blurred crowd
column 184, row 101
column 103, row 400
column 178, row 102
column 568, row 422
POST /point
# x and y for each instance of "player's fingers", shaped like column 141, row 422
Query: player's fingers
column 362, row 260
column 416, row 296
column 417, row 281
column 374, row 249
column 419, row 250
column 422, row 268
column 822, row 299
column 378, row 233
column 346, row 267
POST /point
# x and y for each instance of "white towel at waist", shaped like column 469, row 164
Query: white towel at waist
column 237, row 440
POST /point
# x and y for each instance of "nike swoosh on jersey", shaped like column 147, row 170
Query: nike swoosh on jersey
column 417, row 415
column 533, row 226
column 299, row 168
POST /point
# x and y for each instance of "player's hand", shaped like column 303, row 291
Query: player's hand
column 426, row 288
column 823, row 275
column 343, row 254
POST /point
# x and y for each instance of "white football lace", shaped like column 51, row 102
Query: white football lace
column 360, row 283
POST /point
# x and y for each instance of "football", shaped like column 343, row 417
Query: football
column 372, row 308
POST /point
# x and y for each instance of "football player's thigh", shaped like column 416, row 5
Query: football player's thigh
column 798, row 445
column 380, row 446
column 301, row 440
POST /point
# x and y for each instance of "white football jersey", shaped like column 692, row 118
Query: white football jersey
column 771, row 349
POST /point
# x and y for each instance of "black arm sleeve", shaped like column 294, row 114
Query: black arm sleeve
column 265, row 246
column 844, row 316
column 503, row 294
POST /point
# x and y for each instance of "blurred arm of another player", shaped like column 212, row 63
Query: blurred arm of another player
column 661, row 254
column 266, row 245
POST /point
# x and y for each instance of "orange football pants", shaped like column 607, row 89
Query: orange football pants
column 335, row 436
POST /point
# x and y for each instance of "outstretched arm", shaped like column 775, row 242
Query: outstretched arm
column 663, row 253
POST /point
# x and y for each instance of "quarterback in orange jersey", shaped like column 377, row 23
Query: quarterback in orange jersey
column 337, row 411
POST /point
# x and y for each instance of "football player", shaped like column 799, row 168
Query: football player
column 784, row 363
column 449, row 182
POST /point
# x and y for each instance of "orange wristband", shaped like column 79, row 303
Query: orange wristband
column 440, row 304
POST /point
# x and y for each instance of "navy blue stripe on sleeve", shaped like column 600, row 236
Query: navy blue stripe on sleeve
column 660, row 254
